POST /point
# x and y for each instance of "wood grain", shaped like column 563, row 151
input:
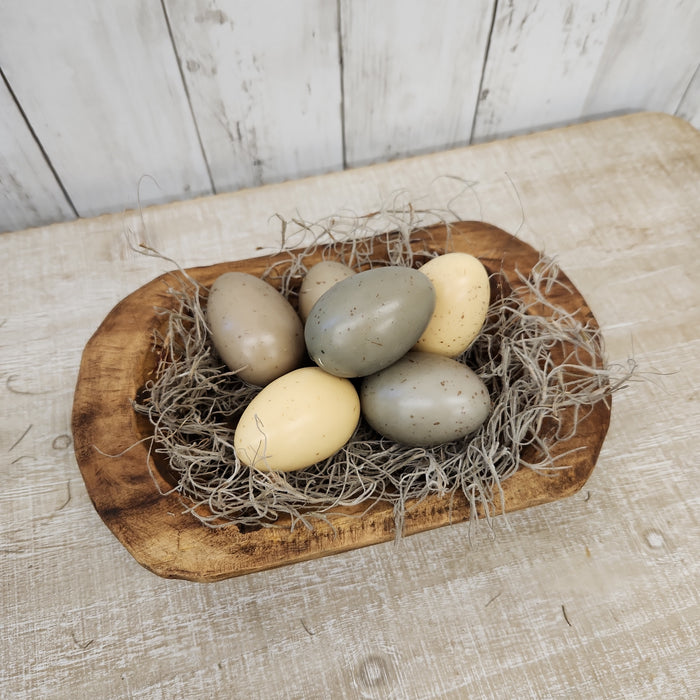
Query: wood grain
column 649, row 58
column 324, row 86
column 266, row 94
column 541, row 64
column 411, row 75
column 558, row 63
column 30, row 195
column 689, row 106
column 101, row 88
column 117, row 362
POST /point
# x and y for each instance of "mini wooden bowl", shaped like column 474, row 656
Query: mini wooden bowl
column 118, row 360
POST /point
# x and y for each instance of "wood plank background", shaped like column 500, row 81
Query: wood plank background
column 103, row 105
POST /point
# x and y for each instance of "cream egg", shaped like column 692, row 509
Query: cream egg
column 255, row 330
column 297, row 420
column 318, row 280
column 462, row 295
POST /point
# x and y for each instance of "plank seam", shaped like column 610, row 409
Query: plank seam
column 341, row 64
column 44, row 154
column 187, row 94
column 686, row 90
column 483, row 70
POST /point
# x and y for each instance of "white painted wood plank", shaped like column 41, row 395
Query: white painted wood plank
column 264, row 81
column 542, row 60
column 411, row 75
column 554, row 63
column 29, row 192
column 689, row 108
column 649, row 58
column 100, row 85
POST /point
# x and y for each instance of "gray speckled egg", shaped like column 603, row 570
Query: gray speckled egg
column 254, row 328
column 368, row 321
column 425, row 399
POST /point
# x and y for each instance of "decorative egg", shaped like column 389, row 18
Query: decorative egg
column 368, row 321
column 462, row 295
column 425, row 399
column 254, row 328
column 318, row 280
column 297, row 420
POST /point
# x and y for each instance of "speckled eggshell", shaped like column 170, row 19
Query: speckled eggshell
column 425, row 399
column 299, row 419
column 368, row 321
column 462, row 295
column 254, row 328
column 318, row 280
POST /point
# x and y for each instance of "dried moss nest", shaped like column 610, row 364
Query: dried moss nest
column 194, row 400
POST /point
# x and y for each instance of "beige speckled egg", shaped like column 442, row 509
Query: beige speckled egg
column 254, row 328
column 299, row 419
column 462, row 295
column 320, row 278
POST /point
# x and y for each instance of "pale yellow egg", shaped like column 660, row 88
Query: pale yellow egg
column 299, row 419
column 462, row 296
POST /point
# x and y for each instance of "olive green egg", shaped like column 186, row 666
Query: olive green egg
column 366, row 322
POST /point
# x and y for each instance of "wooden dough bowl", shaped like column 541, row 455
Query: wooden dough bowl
column 118, row 360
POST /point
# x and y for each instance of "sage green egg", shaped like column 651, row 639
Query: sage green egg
column 425, row 399
column 318, row 280
column 255, row 330
column 366, row 322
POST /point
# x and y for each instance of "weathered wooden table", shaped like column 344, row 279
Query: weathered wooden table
column 594, row 596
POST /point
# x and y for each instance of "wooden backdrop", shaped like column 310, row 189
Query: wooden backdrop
column 105, row 104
